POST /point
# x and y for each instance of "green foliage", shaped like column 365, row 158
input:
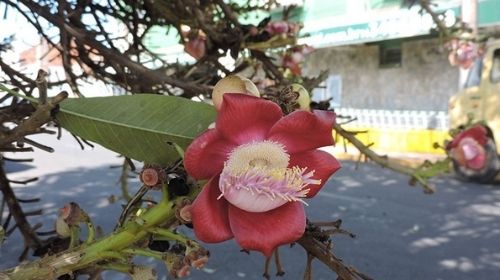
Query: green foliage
column 137, row 126
column 146, row 127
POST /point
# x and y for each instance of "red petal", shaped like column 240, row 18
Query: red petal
column 302, row 131
column 210, row 215
column 266, row 231
column 478, row 133
column 205, row 157
column 245, row 118
column 323, row 164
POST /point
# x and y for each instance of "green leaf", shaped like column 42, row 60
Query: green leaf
column 137, row 126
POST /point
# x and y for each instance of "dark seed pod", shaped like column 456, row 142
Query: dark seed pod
column 159, row 245
column 65, row 277
column 177, row 187
column 52, row 246
column 178, row 249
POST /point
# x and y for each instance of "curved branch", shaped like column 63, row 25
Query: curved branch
column 322, row 253
column 415, row 173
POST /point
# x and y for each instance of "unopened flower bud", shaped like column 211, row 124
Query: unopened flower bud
column 176, row 266
column 62, row 228
column 183, row 211
column 183, row 272
column 196, row 47
column 304, row 99
column 196, row 256
column 233, row 84
column 199, row 263
column 277, row 27
column 72, row 214
column 152, row 176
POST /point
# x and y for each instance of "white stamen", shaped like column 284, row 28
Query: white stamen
column 256, row 177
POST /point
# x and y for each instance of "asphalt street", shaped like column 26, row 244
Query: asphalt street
column 402, row 233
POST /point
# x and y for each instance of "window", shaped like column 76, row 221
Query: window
column 495, row 68
column 331, row 90
column 474, row 77
column 390, row 55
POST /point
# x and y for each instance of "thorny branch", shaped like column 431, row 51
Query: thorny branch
column 441, row 26
column 29, row 121
column 420, row 174
column 31, row 240
column 317, row 243
column 98, row 55
column 32, row 124
column 120, row 60
column 322, row 253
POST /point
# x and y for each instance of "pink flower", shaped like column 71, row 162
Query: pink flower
column 462, row 54
column 277, row 27
column 466, row 54
column 261, row 166
column 283, row 27
column 294, row 57
column 467, row 147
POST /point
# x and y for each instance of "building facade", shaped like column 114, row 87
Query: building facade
column 382, row 54
column 387, row 68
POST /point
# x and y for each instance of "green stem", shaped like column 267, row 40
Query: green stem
column 91, row 233
column 90, row 228
column 120, row 267
column 144, row 252
column 80, row 257
column 164, row 193
column 124, row 181
column 169, row 235
column 74, row 236
column 51, row 267
column 112, row 255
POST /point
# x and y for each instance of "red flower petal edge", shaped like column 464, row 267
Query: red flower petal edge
column 323, row 164
column 205, row 157
column 210, row 215
column 301, row 131
column 478, row 133
column 266, row 231
column 243, row 118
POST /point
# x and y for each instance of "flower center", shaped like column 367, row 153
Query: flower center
column 258, row 154
column 258, row 162
column 256, row 177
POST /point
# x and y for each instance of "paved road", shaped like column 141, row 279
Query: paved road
column 401, row 232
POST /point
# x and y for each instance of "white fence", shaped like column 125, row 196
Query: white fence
column 395, row 119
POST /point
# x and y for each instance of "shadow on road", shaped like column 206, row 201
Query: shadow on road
column 402, row 233
column 405, row 234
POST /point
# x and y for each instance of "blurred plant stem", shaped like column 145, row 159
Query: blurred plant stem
column 110, row 247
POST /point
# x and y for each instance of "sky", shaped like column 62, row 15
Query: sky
column 12, row 23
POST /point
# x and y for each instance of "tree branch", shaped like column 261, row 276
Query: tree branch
column 32, row 125
column 384, row 161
